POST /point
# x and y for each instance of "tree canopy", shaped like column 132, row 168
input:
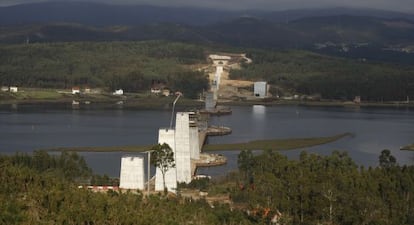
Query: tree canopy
column 309, row 73
column 162, row 157
column 327, row 189
column 132, row 66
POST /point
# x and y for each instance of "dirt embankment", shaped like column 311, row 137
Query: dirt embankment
column 229, row 89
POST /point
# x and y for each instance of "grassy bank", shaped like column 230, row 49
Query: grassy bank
column 141, row 148
column 324, row 103
column 91, row 101
column 276, row 144
column 408, row 147
column 146, row 100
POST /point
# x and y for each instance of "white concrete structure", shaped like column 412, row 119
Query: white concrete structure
column 75, row 90
column 210, row 103
column 13, row 89
column 118, row 92
column 166, row 136
column 217, row 76
column 220, row 59
column 182, row 147
column 184, row 142
column 194, row 139
column 132, row 173
column 260, row 89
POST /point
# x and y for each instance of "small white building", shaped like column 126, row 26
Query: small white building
column 260, row 89
column 166, row 92
column 118, row 92
column 75, row 90
column 155, row 90
column 132, row 173
column 13, row 89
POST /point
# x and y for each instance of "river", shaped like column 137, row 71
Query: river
column 29, row 127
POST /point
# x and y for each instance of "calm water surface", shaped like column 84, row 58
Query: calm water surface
column 28, row 128
column 373, row 130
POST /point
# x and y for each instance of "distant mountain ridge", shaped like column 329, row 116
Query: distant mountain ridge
column 97, row 14
column 244, row 32
column 376, row 35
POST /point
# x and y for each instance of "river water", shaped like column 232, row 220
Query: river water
column 27, row 128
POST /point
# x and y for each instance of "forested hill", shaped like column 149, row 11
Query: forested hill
column 347, row 36
column 133, row 66
column 244, row 31
column 355, row 33
column 330, row 77
column 96, row 14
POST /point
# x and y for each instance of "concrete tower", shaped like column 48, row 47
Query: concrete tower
column 132, row 172
column 217, row 76
column 184, row 142
column 166, row 136
column 194, row 138
column 182, row 147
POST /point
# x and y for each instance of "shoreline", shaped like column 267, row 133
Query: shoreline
column 146, row 100
column 133, row 101
column 408, row 148
column 324, row 103
column 275, row 144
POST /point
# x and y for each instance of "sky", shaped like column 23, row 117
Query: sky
column 270, row 5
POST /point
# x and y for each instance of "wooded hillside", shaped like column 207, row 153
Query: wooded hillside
column 132, row 66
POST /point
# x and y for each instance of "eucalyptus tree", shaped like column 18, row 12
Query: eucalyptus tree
column 162, row 157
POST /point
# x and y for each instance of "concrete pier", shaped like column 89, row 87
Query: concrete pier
column 186, row 141
column 218, row 130
column 206, row 159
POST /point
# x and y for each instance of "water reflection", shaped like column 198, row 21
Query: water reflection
column 259, row 112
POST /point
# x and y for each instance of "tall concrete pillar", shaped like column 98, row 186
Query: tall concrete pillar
column 166, row 136
column 194, row 138
column 182, row 147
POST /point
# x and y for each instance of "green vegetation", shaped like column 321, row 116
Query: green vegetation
column 162, row 157
column 276, row 144
column 332, row 78
column 135, row 66
column 67, row 165
column 42, row 189
column 321, row 189
column 102, row 149
column 38, row 94
column 132, row 66
column 34, row 95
